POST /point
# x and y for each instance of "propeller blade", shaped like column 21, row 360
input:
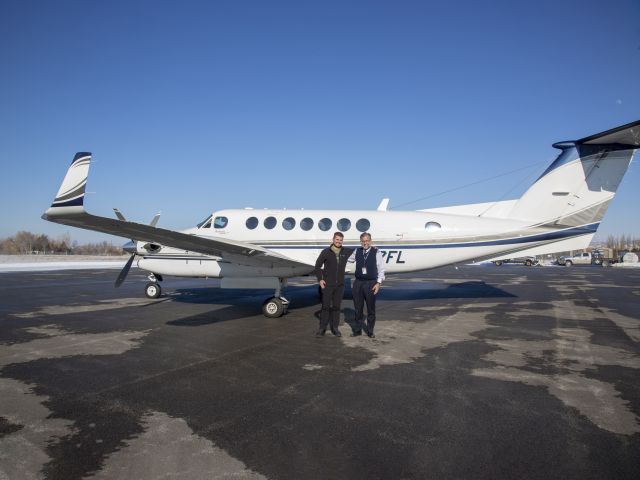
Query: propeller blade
column 119, row 215
column 155, row 220
column 125, row 271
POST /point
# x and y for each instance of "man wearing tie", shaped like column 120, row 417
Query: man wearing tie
column 369, row 276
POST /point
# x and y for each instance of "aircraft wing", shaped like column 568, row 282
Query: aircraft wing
column 68, row 209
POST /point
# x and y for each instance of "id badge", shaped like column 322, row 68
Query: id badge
column 364, row 270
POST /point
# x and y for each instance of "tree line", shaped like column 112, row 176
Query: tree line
column 622, row 242
column 27, row 243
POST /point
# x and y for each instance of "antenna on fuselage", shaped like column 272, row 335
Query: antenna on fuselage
column 383, row 205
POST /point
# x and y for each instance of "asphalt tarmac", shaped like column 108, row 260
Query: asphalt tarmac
column 480, row 372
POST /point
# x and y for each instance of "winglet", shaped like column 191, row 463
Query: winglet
column 71, row 192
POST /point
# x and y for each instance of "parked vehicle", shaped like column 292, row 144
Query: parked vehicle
column 598, row 257
column 528, row 261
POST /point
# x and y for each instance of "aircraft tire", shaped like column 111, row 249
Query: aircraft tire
column 152, row 290
column 528, row 263
column 273, row 308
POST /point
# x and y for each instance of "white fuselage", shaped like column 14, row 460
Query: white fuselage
column 409, row 240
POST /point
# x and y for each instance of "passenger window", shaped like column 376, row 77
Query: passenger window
column 325, row 224
column 363, row 225
column 252, row 222
column 288, row 223
column 220, row 222
column 270, row 222
column 432, row 227
column 306, row 224
column 344, row 224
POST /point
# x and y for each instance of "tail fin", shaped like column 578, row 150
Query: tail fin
column 71, row 192
column 578, row 186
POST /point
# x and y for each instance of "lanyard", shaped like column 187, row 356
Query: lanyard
column 365, row 255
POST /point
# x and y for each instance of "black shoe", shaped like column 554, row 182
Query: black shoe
column 356, row 334
column 320, row 333
column 371, row 335
column 336, row 332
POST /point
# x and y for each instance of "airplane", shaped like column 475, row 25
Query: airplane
column 249, row 248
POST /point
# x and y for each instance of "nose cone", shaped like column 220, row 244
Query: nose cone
column 130, row 247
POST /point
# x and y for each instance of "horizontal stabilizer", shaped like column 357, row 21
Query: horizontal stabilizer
column 628, row 135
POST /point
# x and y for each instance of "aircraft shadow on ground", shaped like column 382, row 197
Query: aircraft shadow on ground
column 243, row 303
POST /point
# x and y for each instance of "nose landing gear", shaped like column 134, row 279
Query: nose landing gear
column 152, row 289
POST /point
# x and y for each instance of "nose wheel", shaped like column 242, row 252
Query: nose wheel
column 152, row 290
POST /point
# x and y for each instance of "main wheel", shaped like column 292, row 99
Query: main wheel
column 152, row 290
column 273, row 308
column 528, row 263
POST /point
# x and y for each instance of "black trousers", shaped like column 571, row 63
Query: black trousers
column 362, row 294
column 331, row 300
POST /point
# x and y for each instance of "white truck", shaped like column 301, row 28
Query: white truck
column 587, row 258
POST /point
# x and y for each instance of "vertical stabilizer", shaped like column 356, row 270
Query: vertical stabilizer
column 578, row 186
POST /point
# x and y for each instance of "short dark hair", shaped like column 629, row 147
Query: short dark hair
column 339, row 234
column 365, row 234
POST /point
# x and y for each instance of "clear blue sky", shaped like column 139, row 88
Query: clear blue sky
column 193, row 106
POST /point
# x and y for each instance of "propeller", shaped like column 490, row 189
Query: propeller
column 125, row 271
column 130, row 247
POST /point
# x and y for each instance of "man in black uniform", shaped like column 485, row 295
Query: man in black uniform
column 330, row 267
column 369, row 276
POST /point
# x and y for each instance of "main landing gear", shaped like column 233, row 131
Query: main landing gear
column 277, row 305
column 272, row 307
column 152, row 289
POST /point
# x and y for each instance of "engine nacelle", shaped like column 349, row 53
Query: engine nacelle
column 150, row 248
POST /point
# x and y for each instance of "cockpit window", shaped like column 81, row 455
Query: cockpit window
column 220, row 222
column 206, row 223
